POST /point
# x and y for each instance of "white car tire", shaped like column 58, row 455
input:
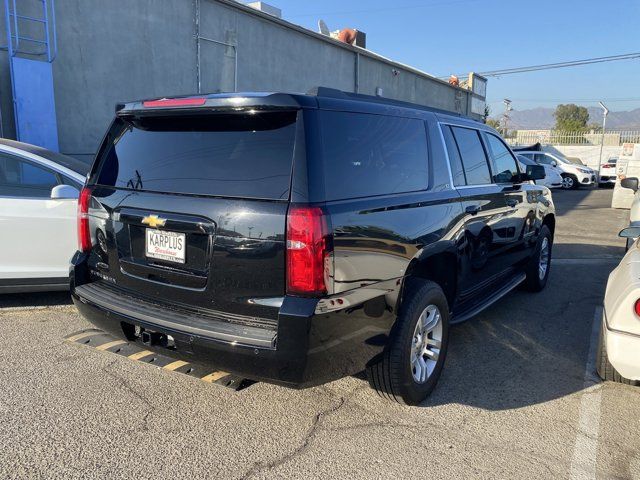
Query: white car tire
column 569, row 182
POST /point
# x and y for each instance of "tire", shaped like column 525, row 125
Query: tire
column 605, row 370
column 537, row 279
column 569, row 182
column 393, row 375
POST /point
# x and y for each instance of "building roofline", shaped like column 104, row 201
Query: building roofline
column 368, row 53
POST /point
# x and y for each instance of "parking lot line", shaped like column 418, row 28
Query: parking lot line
column 585, row 450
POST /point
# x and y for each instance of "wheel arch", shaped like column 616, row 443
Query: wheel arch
column 437, row 263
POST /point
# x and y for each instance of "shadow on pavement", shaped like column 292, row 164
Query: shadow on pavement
column 528, row 348
column 567, row 200
column 34, row 300
column 587, row 251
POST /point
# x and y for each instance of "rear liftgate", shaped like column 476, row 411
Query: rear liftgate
column 102, row 341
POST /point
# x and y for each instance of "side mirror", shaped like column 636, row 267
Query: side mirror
column 554, row 163
column 535, row 172
column 63, row 192
column 630, row 182
column 630, row 232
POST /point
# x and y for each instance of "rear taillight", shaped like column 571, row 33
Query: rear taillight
column 636, row 307
column 84, row 234
column 174, row 102
column 308, row 248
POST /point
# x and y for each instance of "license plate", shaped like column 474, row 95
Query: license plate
column 168, row 246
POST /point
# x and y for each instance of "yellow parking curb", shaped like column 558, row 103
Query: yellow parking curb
column 139, row 355
column 213, row 376
column 82, row 335
column 108, row 345
column 104, row 342
column 175, row 365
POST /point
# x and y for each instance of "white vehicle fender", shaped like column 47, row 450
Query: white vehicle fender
column 623, row 290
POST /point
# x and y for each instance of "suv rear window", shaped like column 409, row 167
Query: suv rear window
column 366, row 155
column 236, row 155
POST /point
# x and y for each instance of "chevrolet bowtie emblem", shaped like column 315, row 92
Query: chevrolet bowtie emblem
column 154, row 221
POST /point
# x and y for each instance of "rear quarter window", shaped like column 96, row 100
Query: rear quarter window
column 235, row 155
column 366, row 155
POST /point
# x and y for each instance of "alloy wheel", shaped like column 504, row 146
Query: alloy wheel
column 426, row 344
column 567, row 182
column 545, row 252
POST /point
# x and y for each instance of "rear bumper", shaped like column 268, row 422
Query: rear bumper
column 622, row 350
column 607, row 179
column 304, row 349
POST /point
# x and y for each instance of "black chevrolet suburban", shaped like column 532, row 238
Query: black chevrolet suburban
column 296, row 239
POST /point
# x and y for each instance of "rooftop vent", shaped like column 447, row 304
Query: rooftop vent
column 266, row 8
column 346, row 35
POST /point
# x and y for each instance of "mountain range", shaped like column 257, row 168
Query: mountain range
column 542, row 119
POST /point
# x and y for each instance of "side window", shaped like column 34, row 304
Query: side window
column 543, row 159
column 457, row 172
column 474, row 159
column 506, row 170
column 366, row 155
column 20, row 178
column 69, row 181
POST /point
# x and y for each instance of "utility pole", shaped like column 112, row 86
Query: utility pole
column 505, row 116
column 605, row 112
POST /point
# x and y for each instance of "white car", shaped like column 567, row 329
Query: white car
column 608, row 173
column 573, row 175
column 632, row 183
column 619, row 346
column 552, row 177
column 38, row 204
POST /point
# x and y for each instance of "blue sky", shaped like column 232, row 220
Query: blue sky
column 457, row 36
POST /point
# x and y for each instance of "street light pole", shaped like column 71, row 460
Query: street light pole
column 605, row 112
column 507, row 109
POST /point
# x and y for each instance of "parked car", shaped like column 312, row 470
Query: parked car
column 383, row 223
column 573, row 175
column 619, row 344
column 575, row 160
column 552, row 178
column 608, row 175
column 38, row 196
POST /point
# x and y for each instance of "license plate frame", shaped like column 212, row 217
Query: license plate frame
column 165, row 249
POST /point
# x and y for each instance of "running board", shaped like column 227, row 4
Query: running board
column 104, row 342
column 466, row 315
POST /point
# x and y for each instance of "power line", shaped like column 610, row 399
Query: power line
column 549, row 66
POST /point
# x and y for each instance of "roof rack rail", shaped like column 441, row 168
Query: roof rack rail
column 328, row 92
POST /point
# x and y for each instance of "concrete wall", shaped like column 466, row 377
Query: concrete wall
column 112, row 51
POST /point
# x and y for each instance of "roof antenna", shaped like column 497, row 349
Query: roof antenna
column 322, row 28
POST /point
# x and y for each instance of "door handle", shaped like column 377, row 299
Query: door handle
column 472, row 209
column 512, row 202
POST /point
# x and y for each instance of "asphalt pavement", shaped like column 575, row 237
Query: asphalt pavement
column 517, row 399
